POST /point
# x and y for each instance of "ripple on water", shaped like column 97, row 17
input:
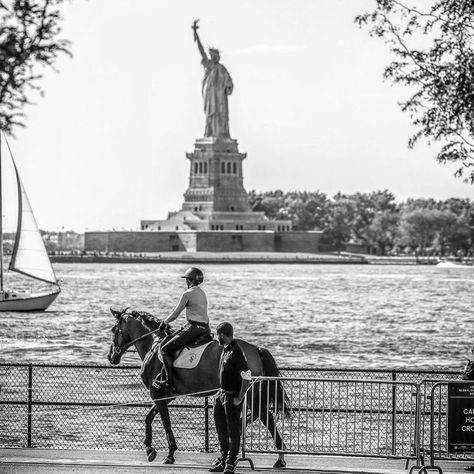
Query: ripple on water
column 314, row 315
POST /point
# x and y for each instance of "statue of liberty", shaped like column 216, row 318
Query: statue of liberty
column 216, row 86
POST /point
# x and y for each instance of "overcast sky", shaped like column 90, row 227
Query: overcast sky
column 106, row 145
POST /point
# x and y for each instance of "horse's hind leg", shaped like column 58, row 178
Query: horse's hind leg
column 165, row 419
column 267, row 419
column 150, row 451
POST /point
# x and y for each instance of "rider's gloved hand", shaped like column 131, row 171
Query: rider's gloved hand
column 163, row 326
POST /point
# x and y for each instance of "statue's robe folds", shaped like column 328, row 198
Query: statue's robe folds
column 216, row 86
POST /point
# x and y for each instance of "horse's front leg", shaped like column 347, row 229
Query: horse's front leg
column 165, row 419
column 150, row 450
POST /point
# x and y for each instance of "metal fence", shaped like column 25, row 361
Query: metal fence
column 103, row 407
column 90, row 407
column 376, row 418
column 436, row 416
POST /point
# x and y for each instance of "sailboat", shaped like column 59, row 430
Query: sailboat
column 29, row 256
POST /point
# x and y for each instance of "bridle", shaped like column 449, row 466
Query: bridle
column 118, row 349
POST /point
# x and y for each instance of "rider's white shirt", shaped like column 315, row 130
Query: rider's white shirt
column 195, row 301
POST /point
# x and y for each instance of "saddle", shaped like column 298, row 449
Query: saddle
column 208, row 337
column 187, row 357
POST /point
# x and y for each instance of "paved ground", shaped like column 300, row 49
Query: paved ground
column 42, row 461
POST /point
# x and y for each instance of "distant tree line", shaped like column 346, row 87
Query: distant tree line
column 54, row 241
column 376, row 220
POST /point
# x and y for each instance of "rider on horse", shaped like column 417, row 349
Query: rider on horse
column 195, row 301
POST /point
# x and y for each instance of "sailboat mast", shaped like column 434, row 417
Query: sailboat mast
column 1, row 220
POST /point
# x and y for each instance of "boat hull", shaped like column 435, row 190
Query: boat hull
column 453, row 265
column 32, row 302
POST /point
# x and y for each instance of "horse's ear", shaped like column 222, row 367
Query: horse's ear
column 116, row 313
column 119, row 313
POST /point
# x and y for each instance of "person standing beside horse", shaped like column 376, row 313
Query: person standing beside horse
column 194, row 300
column 234, row 380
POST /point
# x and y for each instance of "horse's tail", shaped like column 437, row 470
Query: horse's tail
column 273, row 390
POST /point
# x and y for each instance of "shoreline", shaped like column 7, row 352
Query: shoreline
column 243, row 258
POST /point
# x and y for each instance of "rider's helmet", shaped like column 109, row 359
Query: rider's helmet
column 194, row 275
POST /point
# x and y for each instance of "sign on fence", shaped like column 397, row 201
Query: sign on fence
column 460, row 417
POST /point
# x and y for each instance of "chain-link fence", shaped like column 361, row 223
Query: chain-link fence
column 104, row 407
column 91, row 407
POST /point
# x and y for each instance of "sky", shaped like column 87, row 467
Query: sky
column 106, row 145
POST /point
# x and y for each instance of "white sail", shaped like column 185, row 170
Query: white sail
column 29, row 253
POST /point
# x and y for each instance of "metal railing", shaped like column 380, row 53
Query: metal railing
column 90, row 407
column 376, row 418
column 436, row 415
column 103, row 407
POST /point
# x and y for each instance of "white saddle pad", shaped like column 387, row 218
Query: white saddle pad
column 189, row 358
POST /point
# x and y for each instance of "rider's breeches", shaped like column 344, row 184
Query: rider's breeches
column 186, row 335
column 228, row 425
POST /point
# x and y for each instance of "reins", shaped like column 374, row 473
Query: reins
column 120, row 350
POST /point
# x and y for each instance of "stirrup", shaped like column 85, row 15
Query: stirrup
column 158, row 382
column 164, row 385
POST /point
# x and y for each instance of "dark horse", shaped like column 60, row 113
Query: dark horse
column 136, row 328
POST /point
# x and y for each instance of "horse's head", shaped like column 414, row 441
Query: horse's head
column 130, row 328
column 120, row 336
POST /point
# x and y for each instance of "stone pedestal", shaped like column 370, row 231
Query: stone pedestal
column 215, row 178
column 216, row 199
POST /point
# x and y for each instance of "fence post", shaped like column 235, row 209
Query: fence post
column 29, row 404
column 206, row 424
column 394, row 412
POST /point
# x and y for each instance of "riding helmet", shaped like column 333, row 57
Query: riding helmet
column 194, row 274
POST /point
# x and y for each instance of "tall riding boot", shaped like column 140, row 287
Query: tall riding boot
column 168, row 363
column 168, row 367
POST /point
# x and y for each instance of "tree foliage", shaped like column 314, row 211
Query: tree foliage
column 29, row 31
column 433, row 44
column 376, row 220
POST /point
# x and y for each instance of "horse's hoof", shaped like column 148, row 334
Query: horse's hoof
column 279, row 463
column 168, row 460
column 151, row 453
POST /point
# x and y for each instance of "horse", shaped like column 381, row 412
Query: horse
column 142, row 330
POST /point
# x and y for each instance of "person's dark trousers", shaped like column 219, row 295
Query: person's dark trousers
column 184, row 336
column 228, row 426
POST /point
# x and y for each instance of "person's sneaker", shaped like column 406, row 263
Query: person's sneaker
column 229, row 469
column 217, row 468
column 469, row 468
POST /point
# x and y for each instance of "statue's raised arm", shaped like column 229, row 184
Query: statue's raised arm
column 217, row 85
column 195, row 27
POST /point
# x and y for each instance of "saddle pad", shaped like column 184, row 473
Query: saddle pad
column 189, row 358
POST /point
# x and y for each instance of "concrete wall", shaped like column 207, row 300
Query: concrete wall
column 95, row 241
column 188, row 240
column 204, row 241
column 223, row 241
column 130, row 241
column 297, row 241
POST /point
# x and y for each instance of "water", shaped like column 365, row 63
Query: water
column 308, row 315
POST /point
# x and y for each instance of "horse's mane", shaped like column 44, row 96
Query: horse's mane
column 147, row 319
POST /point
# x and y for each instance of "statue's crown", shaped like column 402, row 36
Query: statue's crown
column 214, row 50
